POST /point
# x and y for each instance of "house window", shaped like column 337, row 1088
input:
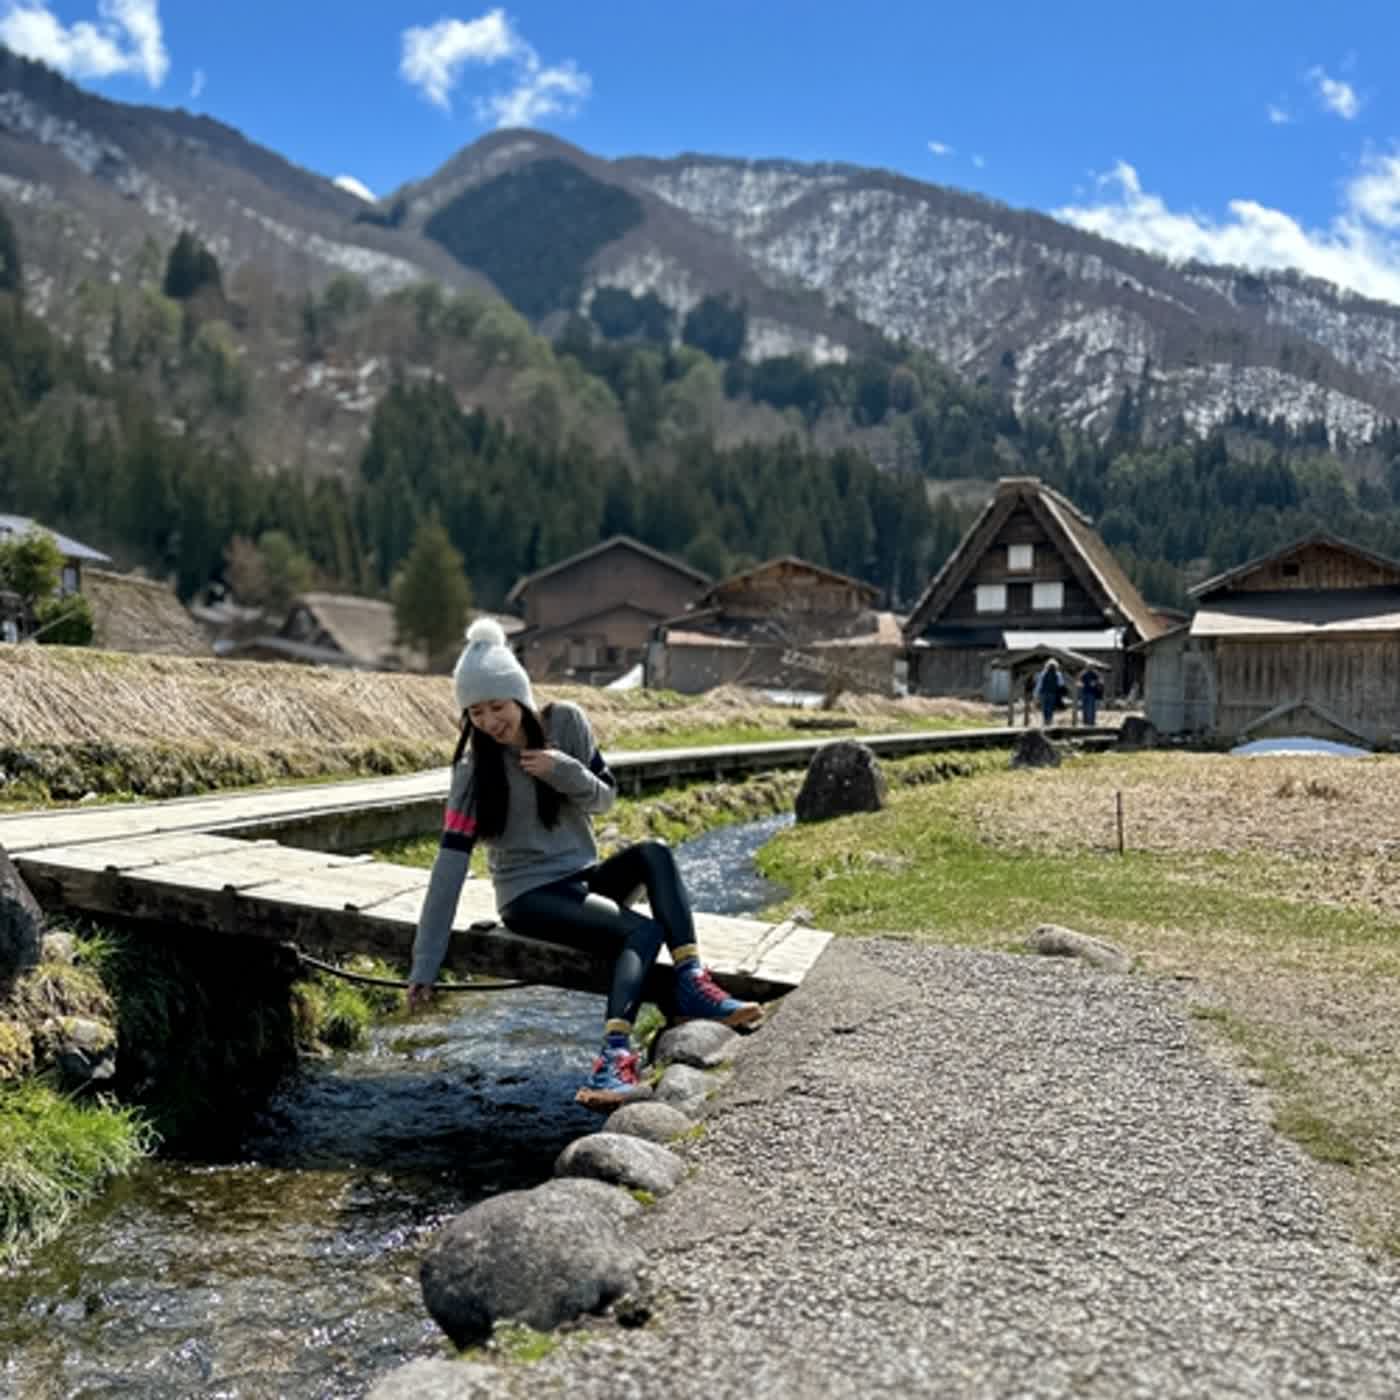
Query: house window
column 70, row 579
column 1020, row 557
column 1047, row 597
column 991, row 597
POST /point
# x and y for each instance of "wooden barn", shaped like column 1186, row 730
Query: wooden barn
column 589, row 617
column 784, row 624
column 1031, row 572
column 1304, row 641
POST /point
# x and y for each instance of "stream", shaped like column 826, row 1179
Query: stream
column 291, row 1272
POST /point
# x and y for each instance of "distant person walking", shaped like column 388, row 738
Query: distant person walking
column 1090, row 693
column 526, row 783
column 1050, row 690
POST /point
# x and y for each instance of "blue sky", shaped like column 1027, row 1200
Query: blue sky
column 1259, row 133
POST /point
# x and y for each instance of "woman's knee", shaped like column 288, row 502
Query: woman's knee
column 657, row 856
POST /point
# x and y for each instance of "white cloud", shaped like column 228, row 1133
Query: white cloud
column 197, row 84
column 126, row 38
column 939, row 149
column 979, row 161
column 1279, row 116
column 1334, row 94
column 355, row 187
column 1359, row 248
column 435, row 56
column 539, row 93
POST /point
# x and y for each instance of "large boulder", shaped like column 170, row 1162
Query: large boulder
column 541, row 1258
column 685, row 1088
column 1054, row 941
column 656, row 1122
column 21, row 924
column 841, row 778
column 434, row 1378
column 1137, row 733
column 703, row 1044
column 1034, row 750
column 624, row 1161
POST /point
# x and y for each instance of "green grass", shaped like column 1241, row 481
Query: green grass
column 56, row 1154
column 1295, row 1116
column 712, row 735
column 948, row 886
column 522, row 1345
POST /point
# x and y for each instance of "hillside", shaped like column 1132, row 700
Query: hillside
column 211, row 355
column 824, row 258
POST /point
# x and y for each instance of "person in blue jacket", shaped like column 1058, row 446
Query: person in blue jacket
column 1090, row 693
column 1050, row 689
column 527, row 783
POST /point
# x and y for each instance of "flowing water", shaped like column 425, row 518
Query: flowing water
column 292, row 1271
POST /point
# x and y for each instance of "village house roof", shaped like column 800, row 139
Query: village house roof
column 363, row 629
column 135, row 614
column 785, row 561
column 1074, row 534
column 530, row 635
column 71, row 549
column 523, row 585
column 1300, row 613
column 1388, row 570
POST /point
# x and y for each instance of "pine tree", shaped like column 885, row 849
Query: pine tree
column 11, row 279
column 431, row 594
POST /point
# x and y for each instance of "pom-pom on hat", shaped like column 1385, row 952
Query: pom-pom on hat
column 487, row 668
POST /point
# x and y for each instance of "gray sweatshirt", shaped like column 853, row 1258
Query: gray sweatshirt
column 527, row 854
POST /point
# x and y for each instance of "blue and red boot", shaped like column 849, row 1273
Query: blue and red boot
column 700, row 998
column 616, row 1076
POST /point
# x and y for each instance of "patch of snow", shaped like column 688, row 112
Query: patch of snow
column 381, row 271
column 1321, row 748
column 351, row 185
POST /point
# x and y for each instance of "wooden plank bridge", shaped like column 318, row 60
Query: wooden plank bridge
column 226, row 864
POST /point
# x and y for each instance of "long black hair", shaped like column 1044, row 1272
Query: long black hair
column 489, row 766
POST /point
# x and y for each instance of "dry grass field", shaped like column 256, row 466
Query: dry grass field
column 62, row 695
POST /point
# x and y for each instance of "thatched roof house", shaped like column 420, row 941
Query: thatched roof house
column 130, row 613
column 341, row 629
column 1030, row 571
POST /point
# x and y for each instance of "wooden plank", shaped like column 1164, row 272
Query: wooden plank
column 363, row 888
column 246, row 866
column 142, row 851
column 209, row 904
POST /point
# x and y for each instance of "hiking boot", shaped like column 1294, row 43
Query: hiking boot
column 700, row 998
column 615, row 1078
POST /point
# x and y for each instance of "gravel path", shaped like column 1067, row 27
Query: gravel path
column 949, row 1173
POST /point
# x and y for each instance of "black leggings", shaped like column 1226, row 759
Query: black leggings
column 586, row 911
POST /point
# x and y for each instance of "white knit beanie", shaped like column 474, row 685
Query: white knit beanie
column 487, row 668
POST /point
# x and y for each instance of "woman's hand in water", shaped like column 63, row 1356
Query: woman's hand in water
column 538, row 763
column 419, row 995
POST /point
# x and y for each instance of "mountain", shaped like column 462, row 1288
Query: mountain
column 1064, row 320
column 828, row 261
